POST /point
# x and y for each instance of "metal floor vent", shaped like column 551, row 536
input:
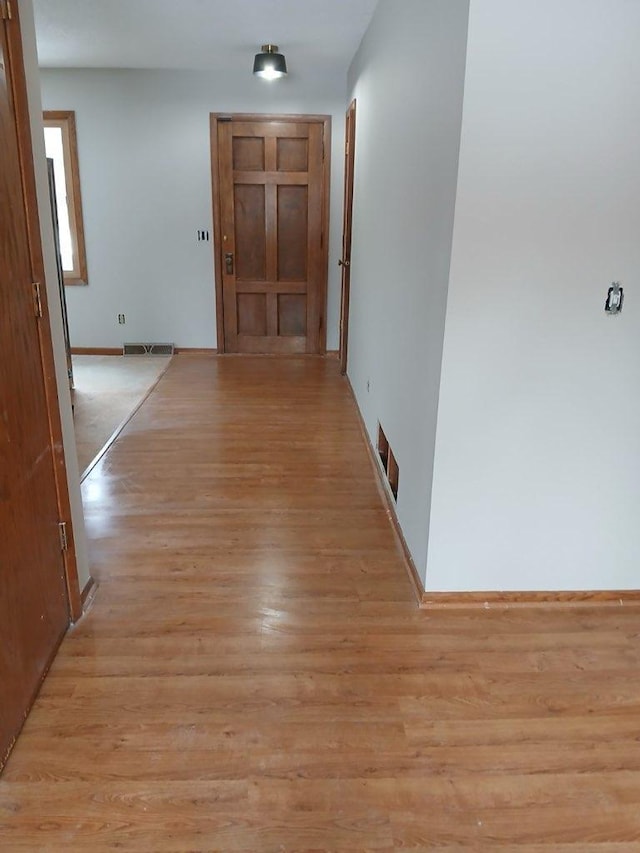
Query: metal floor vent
column 147, row 349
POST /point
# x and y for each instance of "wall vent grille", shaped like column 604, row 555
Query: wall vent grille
column 388, row 461
column 147, row 349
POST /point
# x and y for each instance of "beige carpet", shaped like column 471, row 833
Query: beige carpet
column 107, row 390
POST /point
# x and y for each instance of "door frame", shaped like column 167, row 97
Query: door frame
column 347, row 229
column 325, row 121
column 18, row 88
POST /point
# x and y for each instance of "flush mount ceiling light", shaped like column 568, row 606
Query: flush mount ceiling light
column 269, row 64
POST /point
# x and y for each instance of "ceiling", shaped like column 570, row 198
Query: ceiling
column 219, row 35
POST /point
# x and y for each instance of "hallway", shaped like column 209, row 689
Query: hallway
column 255, row 675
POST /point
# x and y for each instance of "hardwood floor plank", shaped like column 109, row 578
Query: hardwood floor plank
column 254, row 673
column 549, row 825
column 422, row 795
column 236, row 761
column 480, row 846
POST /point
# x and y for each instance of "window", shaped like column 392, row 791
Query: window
column 61, row 146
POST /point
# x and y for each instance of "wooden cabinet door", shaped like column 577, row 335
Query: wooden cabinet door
column 270, row 183
column 34, row 610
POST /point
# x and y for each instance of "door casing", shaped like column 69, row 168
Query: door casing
column 347, row 220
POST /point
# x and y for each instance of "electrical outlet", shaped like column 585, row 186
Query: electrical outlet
column 121, row 319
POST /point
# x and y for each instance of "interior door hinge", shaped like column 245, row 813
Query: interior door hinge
column 5, row 10
column 62, row 529
column 37, row 299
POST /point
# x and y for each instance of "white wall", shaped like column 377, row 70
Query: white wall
column 537, row 476
column 145, row 169
column 53, row 297
column 408, row 79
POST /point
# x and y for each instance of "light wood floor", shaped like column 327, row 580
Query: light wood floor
column 254, row 674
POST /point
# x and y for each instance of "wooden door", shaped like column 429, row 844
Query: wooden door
column 345, row 260
column 34, row 609
column 271, row 184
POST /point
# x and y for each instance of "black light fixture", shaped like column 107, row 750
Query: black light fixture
column 269, row 64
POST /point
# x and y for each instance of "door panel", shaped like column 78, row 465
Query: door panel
column 293, row 225
column 248, row 154
column 291, row 314
column 293, row 155
column 33, row 597
column 270, row 184
column 250, row 231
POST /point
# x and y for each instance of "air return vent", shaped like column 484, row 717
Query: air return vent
column 388, row 462
column 147, row 349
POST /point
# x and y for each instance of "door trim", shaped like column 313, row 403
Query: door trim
column 18, row 84
column 325, row 121
column 347, row 228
